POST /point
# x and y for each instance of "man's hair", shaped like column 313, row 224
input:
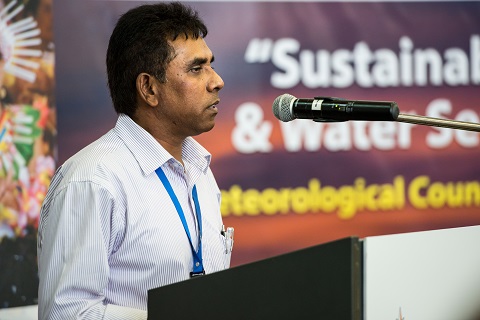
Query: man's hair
column 139, row 43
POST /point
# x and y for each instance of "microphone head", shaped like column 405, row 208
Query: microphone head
column 282, row 107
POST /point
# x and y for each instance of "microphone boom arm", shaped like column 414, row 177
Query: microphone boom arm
column 437, row 122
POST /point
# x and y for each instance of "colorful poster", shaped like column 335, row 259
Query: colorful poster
column 27, row 141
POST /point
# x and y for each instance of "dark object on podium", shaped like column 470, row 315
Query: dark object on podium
column 320, row 282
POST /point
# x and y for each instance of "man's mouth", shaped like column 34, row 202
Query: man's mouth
column 214, row 106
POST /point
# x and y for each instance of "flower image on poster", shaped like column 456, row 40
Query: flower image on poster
column 27, row 140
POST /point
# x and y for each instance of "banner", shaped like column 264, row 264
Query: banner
column 289, row 185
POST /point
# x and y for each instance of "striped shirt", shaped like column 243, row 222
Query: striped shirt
column 109, row 230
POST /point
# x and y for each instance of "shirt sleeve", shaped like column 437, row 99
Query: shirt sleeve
column 78, row 235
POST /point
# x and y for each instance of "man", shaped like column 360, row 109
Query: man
column 139, row 208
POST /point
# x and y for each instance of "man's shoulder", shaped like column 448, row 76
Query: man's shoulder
column 96, row 159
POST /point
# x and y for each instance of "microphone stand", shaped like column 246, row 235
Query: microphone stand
column 436, row 122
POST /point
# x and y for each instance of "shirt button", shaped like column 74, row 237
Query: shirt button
column 197, row 264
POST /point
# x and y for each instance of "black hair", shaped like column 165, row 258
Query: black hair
column 140, row 43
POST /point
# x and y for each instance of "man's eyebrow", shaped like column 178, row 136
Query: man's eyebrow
column 197, row 61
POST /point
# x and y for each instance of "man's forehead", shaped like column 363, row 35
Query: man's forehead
column 189, row 49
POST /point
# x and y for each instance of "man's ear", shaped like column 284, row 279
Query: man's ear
column 146, row 89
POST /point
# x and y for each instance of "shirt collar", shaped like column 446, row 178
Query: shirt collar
column 150, row 154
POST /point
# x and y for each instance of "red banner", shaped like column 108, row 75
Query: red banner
column 287, row 185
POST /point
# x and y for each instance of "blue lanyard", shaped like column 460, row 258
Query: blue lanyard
column 197, row 255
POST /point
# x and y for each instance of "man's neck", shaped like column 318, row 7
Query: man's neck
column 174, row 149
column 168, row 141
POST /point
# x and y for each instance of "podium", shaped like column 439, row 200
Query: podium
column 320, row 282
column 420, row 275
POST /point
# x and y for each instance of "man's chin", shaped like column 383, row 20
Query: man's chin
column 206, row 129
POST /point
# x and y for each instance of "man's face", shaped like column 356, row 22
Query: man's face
column 189, row 96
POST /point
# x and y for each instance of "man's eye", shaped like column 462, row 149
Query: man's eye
column 196, row 69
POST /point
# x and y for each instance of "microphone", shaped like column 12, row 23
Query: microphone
column 328, row 109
